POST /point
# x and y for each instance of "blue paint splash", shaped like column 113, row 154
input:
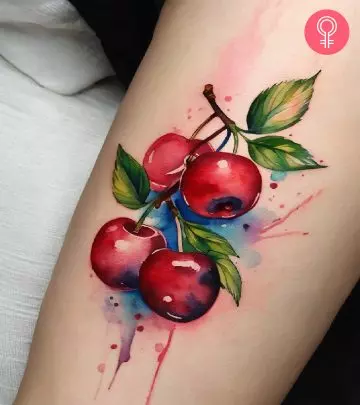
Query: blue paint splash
column 278, row 176
column 241, row 232
column 125, row 308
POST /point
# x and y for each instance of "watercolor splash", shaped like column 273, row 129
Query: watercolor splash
column 278, row 176
column 127, row 308
column 174, row 218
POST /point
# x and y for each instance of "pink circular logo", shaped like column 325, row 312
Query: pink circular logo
column 327, row 32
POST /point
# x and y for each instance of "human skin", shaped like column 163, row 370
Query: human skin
column 251, row 354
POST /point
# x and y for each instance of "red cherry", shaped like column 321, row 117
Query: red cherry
column 221, row 185
column 118, row 252
column 164, row 160
column 179, row 286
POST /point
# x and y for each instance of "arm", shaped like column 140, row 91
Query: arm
column 297, row 245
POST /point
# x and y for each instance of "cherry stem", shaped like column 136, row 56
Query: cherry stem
column 165, row 195
column 229, row 123
column 202, row 125
column 174, row 210
column 178, row 221
column 206, row 140
column 144, row 215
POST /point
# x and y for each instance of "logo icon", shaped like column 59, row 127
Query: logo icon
column 326, row 26
column 327, row 32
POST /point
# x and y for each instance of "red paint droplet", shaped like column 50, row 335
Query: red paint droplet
column 228, row 99
column 101, row 368
column 137, row 316
column 140, row 328
column 273, row 185
column 113, row 346
column 306, row 233
column 159, row 347
column 282, row 205
column 321, row 161
column 303, row 175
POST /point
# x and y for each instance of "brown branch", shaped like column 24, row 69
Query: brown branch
column 211, row 98
column 206, row 140
column 202, row 125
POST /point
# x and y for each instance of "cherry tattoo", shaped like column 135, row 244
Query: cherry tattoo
column 165, row 159
column 118, row 252
column 176, row 269
column 179, row 286
column 232, row 189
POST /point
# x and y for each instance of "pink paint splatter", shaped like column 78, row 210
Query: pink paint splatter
column 159, row 347
column 280, row 235
column 124, row 355
column 161, row 359
column 101, row 368
column 176, row 130
column 189, row 117
column 282, row 205
column 238, row 58
column 280, row 221
column 228, row 99
column 189, row 110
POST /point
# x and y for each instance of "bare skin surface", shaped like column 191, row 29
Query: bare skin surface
column 251, row 354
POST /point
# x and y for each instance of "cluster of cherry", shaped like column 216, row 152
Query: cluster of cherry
column 182, row 285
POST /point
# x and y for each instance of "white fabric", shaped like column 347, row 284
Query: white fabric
column 48, row 41
column 48, row 145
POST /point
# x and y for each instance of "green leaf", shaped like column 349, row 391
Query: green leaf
column 186, row 245
column 280, row 106
column 205, row 241
column 130, row 183
column 280, row 154
column 229, row 277
column 198, row 238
